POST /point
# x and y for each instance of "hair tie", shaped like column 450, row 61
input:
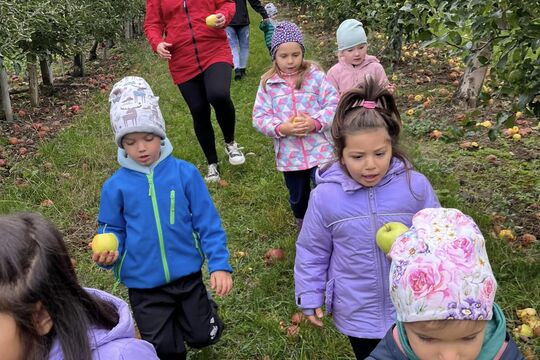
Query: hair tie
column 369, row 104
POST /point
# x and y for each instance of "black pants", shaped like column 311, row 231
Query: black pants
column 299, row 185
column 175, row 313
column 212, row 87
column 363, row 347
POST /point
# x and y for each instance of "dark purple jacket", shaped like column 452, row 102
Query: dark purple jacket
column 338, row 262
column 119, row 343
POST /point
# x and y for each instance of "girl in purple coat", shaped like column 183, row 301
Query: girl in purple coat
column 338, row 263
column 45, row 313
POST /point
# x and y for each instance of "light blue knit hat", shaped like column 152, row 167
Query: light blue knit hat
column 350, row 33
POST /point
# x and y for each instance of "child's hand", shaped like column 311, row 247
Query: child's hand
column 297, row 126
column 221, row 282
column 316, row 318
column 220, row 21
column 105, row 258
column 306, row 124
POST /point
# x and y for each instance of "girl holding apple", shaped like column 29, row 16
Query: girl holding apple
column 45, row 313
column 295, row 106
column 338, row 263
column 190, row 35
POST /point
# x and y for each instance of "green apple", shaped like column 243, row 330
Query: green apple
column 388, row 233
column 211, row 20
column 104, row 242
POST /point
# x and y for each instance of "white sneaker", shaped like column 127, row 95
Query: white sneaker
column 213, row 173
column 235, row 154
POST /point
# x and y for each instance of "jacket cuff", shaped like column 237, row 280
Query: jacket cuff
column 309, row 301
column 318, row 125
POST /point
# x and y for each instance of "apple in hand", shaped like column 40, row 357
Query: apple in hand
column 104, row 242
column 211, row 20
column 388, row 233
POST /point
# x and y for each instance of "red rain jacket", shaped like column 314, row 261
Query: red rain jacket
column 195, row 46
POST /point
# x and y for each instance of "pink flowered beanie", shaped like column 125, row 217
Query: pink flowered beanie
column 440, row 269
column 286, row 32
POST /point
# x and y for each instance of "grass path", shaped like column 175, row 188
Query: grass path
column 70, row 169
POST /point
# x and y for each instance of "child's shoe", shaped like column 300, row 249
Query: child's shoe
column 237, row 74
column 236, row 157
column 213, row 173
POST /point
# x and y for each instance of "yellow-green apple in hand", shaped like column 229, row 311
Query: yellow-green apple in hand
column 105, row 248
column 388, row 233
column 215, row 21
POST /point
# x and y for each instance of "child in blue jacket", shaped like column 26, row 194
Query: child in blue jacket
column 166, row 224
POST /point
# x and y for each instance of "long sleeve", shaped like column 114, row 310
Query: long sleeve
column 331, row 78
column 153, row 23
column 313, row 252
column 207, row 223
column 256, row 5
column 110, row 218
column 263, row 114
column 328, row 100
column 227, row 8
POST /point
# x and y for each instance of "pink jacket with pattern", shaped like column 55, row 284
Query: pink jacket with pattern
column 281, row 101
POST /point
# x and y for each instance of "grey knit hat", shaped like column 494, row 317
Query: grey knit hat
column 134, row 108
column 350, row 33
column 271, row 9
column 286, row 32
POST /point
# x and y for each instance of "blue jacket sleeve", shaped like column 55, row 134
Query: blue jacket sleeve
column 110, row 217
column 206, row 222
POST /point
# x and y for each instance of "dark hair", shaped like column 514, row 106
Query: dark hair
column 35, row 268
column 352, row 117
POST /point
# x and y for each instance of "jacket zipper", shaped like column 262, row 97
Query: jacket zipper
column 306, row 164
column 152, row 194
column 379, row 265
column 171, row 212
column 197, row 240
column 118, row 268
column 192, row 36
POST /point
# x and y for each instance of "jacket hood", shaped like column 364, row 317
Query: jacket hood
column 336, row 173
column 125, row 161
column 99, row 337
column 370, row 59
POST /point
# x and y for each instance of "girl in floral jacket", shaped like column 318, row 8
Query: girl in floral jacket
column 295, row 106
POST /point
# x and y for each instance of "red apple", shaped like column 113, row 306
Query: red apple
column 274, row 255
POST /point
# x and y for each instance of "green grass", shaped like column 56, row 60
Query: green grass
column 70, row 169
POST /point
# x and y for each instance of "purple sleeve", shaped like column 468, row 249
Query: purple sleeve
column 313, row 252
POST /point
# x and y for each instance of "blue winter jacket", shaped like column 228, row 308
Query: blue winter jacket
column 338, row 263
column 164, row 219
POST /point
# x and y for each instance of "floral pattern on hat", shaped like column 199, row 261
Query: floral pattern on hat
column 440, row 269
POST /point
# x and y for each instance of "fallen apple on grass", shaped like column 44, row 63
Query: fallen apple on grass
column 388, row 233
column 104, row 242
column 274, row 255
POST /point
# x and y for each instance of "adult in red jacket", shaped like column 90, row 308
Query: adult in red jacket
column 200, row 63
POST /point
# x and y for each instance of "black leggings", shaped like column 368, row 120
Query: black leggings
column 212, row 87
column 363, row 347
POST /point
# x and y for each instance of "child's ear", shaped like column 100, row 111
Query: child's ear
column 42, row 320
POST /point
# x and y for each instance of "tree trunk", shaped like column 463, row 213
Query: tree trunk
column 128, row 29
column 93, row 51
column 46, row 71
column 4, row 93
column 471, row 83
column 33, row 84
column 78, row 65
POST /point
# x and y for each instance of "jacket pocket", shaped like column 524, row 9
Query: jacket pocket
column 171, row 211
column 329, row 296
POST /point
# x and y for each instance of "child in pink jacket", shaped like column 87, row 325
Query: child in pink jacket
column 295, row 106
column 354, row 62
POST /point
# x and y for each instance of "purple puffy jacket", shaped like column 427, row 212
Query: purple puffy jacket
column 338, row 262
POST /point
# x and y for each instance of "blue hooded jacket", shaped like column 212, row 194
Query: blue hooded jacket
column 164, row 219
